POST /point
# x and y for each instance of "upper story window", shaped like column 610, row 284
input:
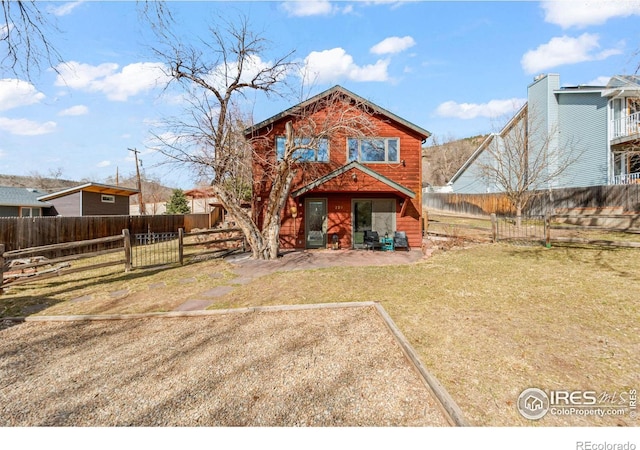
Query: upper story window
column 374, row 149
column 320, row 154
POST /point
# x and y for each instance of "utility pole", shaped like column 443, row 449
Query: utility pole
column 140, row 202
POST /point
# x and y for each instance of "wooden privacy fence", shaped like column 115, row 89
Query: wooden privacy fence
column 142, row 250
column 626, row 198
column 25, row 232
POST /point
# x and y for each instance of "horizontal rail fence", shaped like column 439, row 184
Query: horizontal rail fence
column 25, row 232
column 138, row 251
column 623, row 230
column 625, row 198
column 21, row 266
column 199, row 245
column 154, row 249
column 448, row 226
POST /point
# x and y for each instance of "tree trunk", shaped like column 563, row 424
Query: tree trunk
column 265, row 243
column 518, row 214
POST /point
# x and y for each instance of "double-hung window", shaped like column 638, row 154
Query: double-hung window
column 374, row 149
column 305, row 154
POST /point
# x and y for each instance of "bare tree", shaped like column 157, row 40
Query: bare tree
column 25, row 38
column 332, row 117
column 445, row 156
column 525, row 158
column 209, row 137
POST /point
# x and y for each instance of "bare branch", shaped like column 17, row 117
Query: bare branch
column 525, row 157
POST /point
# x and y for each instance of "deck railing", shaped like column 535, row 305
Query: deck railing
column 628, row 178
column 625, row 126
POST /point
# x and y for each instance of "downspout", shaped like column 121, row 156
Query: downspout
column 609, row 134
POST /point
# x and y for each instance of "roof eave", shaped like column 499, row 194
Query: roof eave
column 353, row 165
column 250, row 131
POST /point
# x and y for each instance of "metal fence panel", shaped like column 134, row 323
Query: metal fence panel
column 155, row 249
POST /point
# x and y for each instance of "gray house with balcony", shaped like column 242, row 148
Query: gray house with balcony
column 596, row 125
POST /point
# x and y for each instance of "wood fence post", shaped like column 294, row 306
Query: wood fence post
column 494, row 228
column 181, row 245
column 127, row 249
column 425, row 222
column 547, row 229
column 1, row 267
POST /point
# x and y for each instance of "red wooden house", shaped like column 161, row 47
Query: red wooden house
column 349, row 184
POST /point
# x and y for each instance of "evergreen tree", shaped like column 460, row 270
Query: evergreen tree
column 178, row 204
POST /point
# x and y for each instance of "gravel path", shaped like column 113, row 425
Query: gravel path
column 307, row 367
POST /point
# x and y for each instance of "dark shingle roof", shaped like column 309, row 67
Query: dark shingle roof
column 19, row 196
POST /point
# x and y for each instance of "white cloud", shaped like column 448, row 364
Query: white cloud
column 104, row 163
column 14, row 93
column 308, row 8
column 565, row 50
column 78, row 110
column 600, row 81
column 393, row 45
column 334, row 64
column 133, row 79
column 65, row 8
column 2, row 154
column 584, row 13
column 24, row 127
column 492, row 109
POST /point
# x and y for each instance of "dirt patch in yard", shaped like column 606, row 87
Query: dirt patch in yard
column 308, row 367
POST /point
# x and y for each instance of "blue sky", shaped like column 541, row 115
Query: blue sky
column 454, row 68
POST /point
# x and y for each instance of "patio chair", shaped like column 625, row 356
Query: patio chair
column 400, row 240
column 372, row 240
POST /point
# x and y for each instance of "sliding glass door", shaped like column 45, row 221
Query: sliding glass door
column 372, row 214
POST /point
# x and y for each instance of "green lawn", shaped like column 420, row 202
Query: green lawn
column 488, row 321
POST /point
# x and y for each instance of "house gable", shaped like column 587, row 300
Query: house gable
column 356, row 178
column 258, row 128
column 346, row 175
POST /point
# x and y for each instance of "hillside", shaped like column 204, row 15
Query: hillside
column 442, row 159
column 153, row 191
column 41, row 183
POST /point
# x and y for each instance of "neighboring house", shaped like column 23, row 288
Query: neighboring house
column 599, row 124
column 201, row 200
column 150, row 209
column 347, row 186
column 22, row 202
column 90, row 199
column 623, row 93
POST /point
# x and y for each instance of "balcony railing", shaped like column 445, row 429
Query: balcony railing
column 629, row 178
column 625, row 126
